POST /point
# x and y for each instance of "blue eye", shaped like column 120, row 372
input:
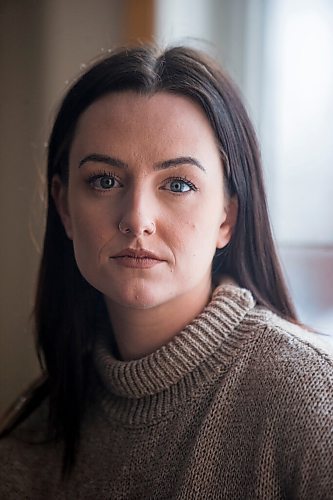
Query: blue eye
column 178, row 185
column 106, row 182
column 103, row 182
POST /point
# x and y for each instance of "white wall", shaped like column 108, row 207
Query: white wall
column 299, row 119
column 298, row 148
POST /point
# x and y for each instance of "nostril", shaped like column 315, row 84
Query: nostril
column 137, row 229
column 151, row 228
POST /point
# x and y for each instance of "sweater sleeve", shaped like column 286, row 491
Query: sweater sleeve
column 304, row 403
column 313, row 476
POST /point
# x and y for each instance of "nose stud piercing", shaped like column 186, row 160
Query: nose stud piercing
column 122, row 229
column 149, row 228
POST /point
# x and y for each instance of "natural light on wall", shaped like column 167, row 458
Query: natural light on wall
column 300, row 41
column 297, row 138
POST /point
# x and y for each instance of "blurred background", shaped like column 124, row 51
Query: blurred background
column 279, row 52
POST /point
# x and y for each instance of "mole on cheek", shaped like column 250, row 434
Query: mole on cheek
column 191, row 224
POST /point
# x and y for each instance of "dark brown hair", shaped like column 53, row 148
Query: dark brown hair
column 67, row 307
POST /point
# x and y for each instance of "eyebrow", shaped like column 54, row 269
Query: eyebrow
column 181, row 160
column 115, row 162
column 98, row 158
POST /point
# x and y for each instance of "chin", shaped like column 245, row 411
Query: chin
column 136, row 298
column 137, row 302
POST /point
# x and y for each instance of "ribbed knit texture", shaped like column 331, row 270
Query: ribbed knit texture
column 234, row 407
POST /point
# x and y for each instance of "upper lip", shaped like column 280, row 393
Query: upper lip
column 137, row 254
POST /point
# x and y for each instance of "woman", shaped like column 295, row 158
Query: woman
column 163, row 321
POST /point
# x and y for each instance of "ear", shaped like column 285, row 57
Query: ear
column 59, row 194
column 228, row 223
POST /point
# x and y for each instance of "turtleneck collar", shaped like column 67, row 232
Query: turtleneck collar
column 210, row 338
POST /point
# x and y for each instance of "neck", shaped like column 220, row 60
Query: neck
column 139, row 332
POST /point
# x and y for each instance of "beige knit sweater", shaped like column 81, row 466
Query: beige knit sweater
column 234, row 407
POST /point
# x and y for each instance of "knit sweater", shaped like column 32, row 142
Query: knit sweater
column 235, row 407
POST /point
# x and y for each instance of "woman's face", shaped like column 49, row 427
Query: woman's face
column 145, row 204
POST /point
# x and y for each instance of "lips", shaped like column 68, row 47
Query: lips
column 136, row 254
column 137, row 258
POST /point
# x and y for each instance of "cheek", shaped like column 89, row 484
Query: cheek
column 193, row 240
column 89, row 237
column 88, row 219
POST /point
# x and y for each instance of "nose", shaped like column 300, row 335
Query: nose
column 137, row 215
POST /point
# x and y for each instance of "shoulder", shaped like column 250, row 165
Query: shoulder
column 23, row 440
column 288, row 364
column 269, row 345
column 24, row 446
column 283, row 399
column 24, row 424
column 321, row 341
column 22, row 414
column 290, row 337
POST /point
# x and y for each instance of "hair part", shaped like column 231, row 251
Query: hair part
column 67, row 307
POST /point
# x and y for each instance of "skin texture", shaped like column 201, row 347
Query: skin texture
column 131, row 187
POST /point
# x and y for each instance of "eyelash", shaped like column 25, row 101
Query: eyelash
column 93, row 177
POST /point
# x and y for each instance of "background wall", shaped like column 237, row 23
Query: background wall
column 44, row 44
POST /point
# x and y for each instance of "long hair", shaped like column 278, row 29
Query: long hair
column 66, row 305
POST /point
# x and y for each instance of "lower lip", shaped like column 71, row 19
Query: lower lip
column 137, row 263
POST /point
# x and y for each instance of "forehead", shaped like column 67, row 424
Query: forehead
column 161, row 117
